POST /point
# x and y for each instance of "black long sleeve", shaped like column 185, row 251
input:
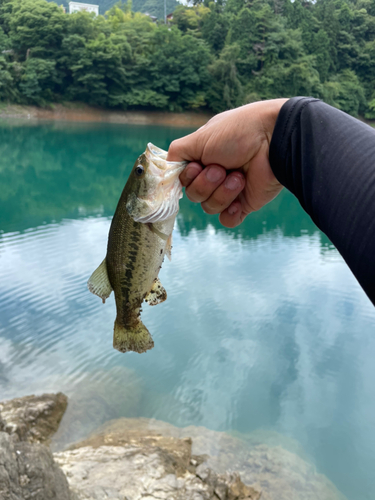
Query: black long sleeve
column 326, row 158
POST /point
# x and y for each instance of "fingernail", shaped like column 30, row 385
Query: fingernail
column 214, row 174
column 233, row 182
column 232, row 209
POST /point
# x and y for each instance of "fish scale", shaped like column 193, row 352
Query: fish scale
column 139, row 238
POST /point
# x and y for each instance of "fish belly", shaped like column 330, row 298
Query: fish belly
column 134, row 258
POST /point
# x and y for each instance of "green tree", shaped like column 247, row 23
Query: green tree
column 226, row 90
column 345, row 92
column 34, row 24
column 8, row 91
column 215, row 27
column 320, row 49
column 5, row 43
column 38, row 80
column 98, row 75
column 178, row 68
column 190, row 19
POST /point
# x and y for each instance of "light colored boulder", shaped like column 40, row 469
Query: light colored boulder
column 277, row 473
column 139, row 464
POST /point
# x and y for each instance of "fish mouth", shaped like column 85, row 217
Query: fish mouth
column 155, row 152
column 158, row 164
column 162, row 201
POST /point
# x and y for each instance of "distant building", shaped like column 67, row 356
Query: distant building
column 153, row 18
column 88, row 7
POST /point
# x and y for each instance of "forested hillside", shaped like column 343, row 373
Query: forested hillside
column 215, row 55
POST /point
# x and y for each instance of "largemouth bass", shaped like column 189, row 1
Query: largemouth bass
column 139, row 237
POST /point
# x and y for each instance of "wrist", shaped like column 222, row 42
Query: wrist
column 269, row 113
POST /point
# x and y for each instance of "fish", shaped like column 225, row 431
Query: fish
column 140, row 236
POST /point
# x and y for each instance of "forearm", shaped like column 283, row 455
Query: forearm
column 327, row 159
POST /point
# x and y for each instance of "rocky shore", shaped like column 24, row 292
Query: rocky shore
column 85, row 113
column 27, row 468
column 139, row 458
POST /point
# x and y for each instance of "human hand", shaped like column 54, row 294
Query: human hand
column 237, row 140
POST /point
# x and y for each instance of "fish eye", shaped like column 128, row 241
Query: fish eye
column 139, row 170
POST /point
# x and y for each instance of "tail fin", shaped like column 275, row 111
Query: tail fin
column 137, row 339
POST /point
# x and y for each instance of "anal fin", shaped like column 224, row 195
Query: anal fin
column 98, row 282
column 157, row 294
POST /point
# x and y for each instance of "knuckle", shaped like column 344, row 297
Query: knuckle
column 173, row 147
column 192, row 196
column 174, row 143
column 220, row 202
column 197, row 193
column 208, row 210
column 201, row 192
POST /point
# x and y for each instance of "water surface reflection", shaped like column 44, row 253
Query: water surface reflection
column 265, row 329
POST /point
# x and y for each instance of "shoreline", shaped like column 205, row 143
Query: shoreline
column 135, row 457
column 85, row 113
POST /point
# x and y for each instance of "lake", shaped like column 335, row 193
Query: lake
column 265, row 329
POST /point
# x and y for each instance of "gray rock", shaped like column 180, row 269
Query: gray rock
column 277, row 473
column 128, row 460
column 10, row 488
column 28, row 472
column 138, row 471
column 33, row 418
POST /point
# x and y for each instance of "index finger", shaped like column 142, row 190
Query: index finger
column 191, row 171
column 187, row 148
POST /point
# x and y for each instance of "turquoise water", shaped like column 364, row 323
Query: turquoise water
column 264, row 328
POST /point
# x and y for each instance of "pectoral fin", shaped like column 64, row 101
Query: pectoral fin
column 157, row 232
column 157, row 294
column 166, row 238
column 98, row 282
column 168, row 247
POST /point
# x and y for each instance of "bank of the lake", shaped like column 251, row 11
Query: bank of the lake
column 80, row 112
column 74, row 112
column 135, row 458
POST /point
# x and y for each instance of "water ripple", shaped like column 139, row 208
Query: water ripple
column 262, row 332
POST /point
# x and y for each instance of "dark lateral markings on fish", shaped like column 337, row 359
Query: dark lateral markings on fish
column 139, row 237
